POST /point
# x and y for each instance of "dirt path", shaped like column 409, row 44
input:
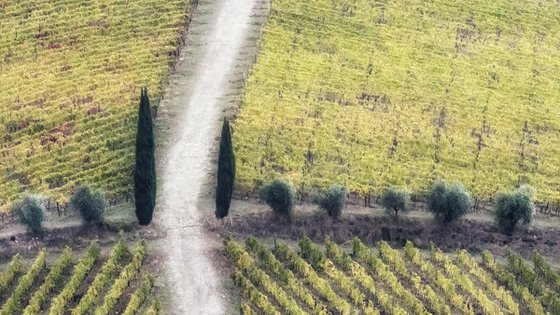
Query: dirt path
column 219, row 29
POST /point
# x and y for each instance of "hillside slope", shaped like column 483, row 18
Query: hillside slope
column 71, row 73
column 379, row 93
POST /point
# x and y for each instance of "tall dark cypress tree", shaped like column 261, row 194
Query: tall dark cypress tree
column 226, row 173
column 145, row 169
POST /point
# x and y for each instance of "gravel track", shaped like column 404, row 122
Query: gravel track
column 196, row 97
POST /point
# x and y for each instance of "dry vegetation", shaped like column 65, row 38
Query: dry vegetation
column 71, row 78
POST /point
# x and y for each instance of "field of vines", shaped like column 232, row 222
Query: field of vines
column 79, row 284
column 328, row 279
column 71, row 73
column 378, row 93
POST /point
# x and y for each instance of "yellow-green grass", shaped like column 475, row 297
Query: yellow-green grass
column 71, row 73
column 379, row 93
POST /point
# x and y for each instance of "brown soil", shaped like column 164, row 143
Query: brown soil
column 82, row 289
column 152, row 264
column 472, row 235
column 36, row 284
column 54, row 292
column 74, row 237
column 125, row 297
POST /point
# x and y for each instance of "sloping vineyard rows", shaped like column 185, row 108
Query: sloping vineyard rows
column 117, row 283
column 71, row 77
column 377, row 93
column 330, row 279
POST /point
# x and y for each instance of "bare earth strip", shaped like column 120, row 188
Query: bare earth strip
column 192, row 281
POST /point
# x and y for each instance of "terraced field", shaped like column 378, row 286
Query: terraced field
column 378, row 93
column 90, row 284
column 383, row 280
column 71, row 73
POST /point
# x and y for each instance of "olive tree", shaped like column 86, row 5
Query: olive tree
column 89, row 203
column 514, row 208
column 31, row 212
column 394, row 200
column 279, row 195
column 333, row 200
column 448, row 201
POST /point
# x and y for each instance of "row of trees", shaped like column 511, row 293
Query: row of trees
column 446, row 201
column 88, row 203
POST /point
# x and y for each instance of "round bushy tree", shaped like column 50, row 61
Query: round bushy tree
column 89, row 203
column 31, row 212
column 514, row 208
column 395, row 200
column 333, row 200
column 279, row 195
column 448, row 201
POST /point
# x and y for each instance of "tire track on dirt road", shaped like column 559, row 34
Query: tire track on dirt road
column 198, row 95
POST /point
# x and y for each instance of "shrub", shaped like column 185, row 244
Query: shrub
column 31, row 212
column 514, row 208
column 89, row 203
column 279, row 195
column 448, row 201
column 333, row 200
column 395, row 200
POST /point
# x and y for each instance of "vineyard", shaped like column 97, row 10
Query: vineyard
column 377, row 93
column 117, row 284
column 71, row 77
column 327, row 279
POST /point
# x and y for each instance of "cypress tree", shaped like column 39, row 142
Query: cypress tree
column 226, row 172
column 145, row 168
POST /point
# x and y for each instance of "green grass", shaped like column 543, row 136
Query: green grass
column 71, row 78
column 379, row 93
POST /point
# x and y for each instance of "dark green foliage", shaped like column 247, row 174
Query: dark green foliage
column 448, row 202
column 333, row 200
column 145, row 168
column 279, row 195
column 226, row 172
column 89, row 203
column 31, row 212
column 395, row 200
column 514, row 208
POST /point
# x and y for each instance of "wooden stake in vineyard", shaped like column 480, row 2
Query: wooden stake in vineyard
column 145, row 168
column 226, row 172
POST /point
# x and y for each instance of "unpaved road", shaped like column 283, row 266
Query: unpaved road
column 191, row 279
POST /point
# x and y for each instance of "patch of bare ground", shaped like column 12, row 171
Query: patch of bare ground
column 73, row 236
column 471, row 234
